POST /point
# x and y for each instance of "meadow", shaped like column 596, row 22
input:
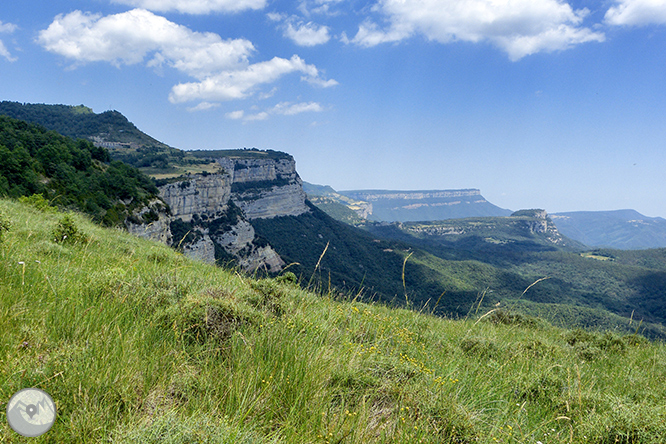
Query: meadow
column 136, row 343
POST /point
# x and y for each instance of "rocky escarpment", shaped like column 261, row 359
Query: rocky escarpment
column 523, row 230
column 209, row 214
column 206, row 196
column 266, row 188
column 404, row 206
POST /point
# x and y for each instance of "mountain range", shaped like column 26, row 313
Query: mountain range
column 249, row 208
column 623, row 229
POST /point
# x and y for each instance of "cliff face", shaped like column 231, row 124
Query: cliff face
column 524, row 230
column 404, row 206
column 200, row 195
column 209, row 214
column 265, row 188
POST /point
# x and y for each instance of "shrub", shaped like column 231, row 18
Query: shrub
column 207, row 317
column 38, row 201
column 481, row 347
column 287, row 278
column 508, row 318
column 67, row 232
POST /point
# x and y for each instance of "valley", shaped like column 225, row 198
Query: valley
column 248, row 208
column 221, row 301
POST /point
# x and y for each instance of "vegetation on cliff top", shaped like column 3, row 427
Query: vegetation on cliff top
column 136, row 343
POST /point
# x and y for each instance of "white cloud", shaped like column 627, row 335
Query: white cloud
column 289, row 109
column 221, row 67
column 195, row 6
column 307, row 34
column 235, row 115
column 637, row 12
column 276, row 16
column 301, row 33
column 519, row 27
column 130, row 37
column 282, row 108
column 7, row 28
column 239, row 84
column 203, row 106
column 4, row 52
column 309, row 7
column 254, row 117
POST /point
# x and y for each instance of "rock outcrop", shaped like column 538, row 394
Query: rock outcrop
column 209, row 214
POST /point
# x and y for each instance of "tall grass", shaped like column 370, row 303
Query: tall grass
column 136, row 343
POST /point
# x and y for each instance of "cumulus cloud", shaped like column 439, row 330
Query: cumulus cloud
column 4, row 52
column 300, row 32
column 221, row 67
column 519, row 27
column 255, row 117
column 291, row 109
column 235, row 115
column 309, row 7
column 6, row 28
column 195, row 6
column 239, row 84
column 130, row 37
column 203, row 106
column 307, row 34
column 637, row 12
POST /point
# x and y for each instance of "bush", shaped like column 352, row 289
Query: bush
column 508, row 318
column 67, row 232
column 208, row 316
column 288, row 278
column 38, row 201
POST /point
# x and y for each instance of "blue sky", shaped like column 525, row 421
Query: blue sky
column 539, row 103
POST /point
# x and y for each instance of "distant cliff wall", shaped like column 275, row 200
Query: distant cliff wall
column 404, row 206
column 374, row 195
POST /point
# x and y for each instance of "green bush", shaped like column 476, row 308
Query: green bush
column 67, row 232
column 38, row 201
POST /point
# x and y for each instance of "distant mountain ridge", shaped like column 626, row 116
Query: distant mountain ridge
column 410, row 205
column 622, row 229
column 418, row 205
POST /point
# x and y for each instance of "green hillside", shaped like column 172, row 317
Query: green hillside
column 68, row 173
column 135, row 343
column 110, row 129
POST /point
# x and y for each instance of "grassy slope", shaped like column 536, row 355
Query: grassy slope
column 135, row 343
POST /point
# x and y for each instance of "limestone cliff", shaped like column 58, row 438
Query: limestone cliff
column 421, row 205
column 209, row 214
column 265, row 188
column 524, row 229
column 203, row 195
